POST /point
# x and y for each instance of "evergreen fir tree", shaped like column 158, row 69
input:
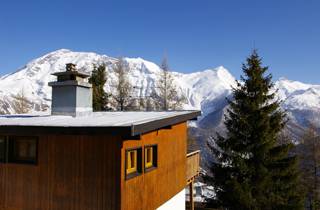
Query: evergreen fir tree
column 98, row 79
column 251, row 169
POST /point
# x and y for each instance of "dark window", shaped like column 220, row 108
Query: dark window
column 150, row 157
column 2, row 149
column 23, row 150
column 133, row 162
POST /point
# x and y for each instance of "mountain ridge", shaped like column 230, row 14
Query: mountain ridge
column 205, row 90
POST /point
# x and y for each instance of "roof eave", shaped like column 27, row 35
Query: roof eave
column 160, row 123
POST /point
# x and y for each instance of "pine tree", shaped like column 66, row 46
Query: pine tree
column 251, row 170
column 98, row 79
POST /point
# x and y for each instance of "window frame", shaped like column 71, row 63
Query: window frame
column 133, row 156
column 10, row 150
column 148, row 154
column 154, row 157
column 138, row 166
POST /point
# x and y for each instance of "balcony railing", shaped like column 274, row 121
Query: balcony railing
column 193, row 165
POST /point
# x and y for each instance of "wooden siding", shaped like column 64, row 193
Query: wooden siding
column 73, row 173
column 87, row 172
column 151, row 189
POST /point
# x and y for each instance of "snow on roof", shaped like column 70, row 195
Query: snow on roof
column 96, row 119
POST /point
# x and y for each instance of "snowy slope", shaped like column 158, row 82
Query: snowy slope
column 297, row 95
column 301, row 100
column 205, row 90
column 33, row 78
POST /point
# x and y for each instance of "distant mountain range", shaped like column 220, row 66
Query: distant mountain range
column 205, row 90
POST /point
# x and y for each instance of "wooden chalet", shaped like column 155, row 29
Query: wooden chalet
column 76, row 159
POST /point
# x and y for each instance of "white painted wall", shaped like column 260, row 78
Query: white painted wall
column 178, row 202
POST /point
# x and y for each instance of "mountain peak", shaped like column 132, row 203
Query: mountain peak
column 62, row 50
column 222, row 71
column 58, row 52
column 224, row 75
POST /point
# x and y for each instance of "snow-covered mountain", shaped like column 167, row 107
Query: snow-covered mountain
column 205, row 90
column 33, row 78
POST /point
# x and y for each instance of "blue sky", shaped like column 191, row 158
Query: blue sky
column 195, row 35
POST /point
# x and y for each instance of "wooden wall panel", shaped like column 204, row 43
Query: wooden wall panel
column 87, row 173
column 151, row 189
column 2, row 186
column 73, row 173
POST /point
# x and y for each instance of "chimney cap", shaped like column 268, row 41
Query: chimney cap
column 75, row 73
column 71, row 67
column 71, row 70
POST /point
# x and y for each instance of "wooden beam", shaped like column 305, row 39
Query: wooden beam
column 128, row 137
column 167, row 127
column 191, row 196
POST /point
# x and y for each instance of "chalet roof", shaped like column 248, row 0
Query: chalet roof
column 118, row 123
